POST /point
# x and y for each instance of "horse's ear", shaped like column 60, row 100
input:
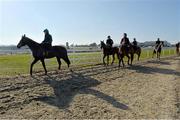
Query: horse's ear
column 24, row 35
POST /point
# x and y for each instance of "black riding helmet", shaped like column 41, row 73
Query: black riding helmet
column 46, row 31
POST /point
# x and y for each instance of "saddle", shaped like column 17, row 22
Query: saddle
column 135, row 47
column 46, row 49
column 126, row 48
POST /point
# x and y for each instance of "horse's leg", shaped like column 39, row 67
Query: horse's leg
column 122, row 62
column 128, row 58
column 59, row 62
column 35, row 60
column 43, row 63
column 66, row 59
column 139, row 53
column 157, row 55
column 113, row 59
column 153, row 53
column 132, row 57
column 104, row 60
column 108, row 60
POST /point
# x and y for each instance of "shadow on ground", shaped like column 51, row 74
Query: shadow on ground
column 152, row 70
column 76, row 83
column 159, row 62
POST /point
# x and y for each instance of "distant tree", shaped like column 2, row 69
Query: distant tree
column 93, row 45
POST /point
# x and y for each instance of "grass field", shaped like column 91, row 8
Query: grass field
column 19, row 63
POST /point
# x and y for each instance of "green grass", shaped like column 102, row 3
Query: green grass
column 19, row 63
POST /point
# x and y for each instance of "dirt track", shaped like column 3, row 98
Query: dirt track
column 147, row 90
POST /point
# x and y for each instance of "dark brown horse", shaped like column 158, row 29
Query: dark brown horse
column 127, row 51
column 107, row 51
column 178, row 48
column 137, row 50
column 38, row 52
column 157, row 50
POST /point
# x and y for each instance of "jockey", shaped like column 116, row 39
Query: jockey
column 125, row 40
column 177, row 48
column 158, row 42
column 109, row 42
column 134, row 43
column 47, row 42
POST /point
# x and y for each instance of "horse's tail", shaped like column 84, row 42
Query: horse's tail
column 67, row 60
column 62, row 53
column 139, row 53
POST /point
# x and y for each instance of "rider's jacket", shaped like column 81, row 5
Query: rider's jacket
column 109, row 42
column 125, row 41
column 47, row 39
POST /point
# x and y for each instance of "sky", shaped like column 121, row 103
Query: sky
column 88, row 21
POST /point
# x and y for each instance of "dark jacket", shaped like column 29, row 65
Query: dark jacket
column 135, row 43
column 125, row 41
column 158, row 42
column 109, row 42
column 47, row 39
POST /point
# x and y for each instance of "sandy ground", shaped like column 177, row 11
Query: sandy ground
column 149, row 89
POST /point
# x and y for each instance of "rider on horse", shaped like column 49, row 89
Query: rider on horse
column 125, row 42
column 134, row 43
column 177, row 48
column 47, row 42
column 158, row 42
column 109, row 42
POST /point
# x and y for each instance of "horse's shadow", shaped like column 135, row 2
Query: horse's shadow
column 159, row 62
column 152, row 70
column 65, row 90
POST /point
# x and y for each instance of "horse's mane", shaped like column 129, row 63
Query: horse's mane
column 32, row 41
column 103, row 42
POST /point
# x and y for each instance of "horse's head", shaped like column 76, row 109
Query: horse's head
column 22, row 42
column 102, row 44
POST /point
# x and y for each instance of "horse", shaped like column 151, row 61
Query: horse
column 157, row 50
column 137, row 51
column 38, row 53
column 107, row 51
column 127, row 51
column 178, row 48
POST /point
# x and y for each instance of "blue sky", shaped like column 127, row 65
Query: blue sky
column 87, row 21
